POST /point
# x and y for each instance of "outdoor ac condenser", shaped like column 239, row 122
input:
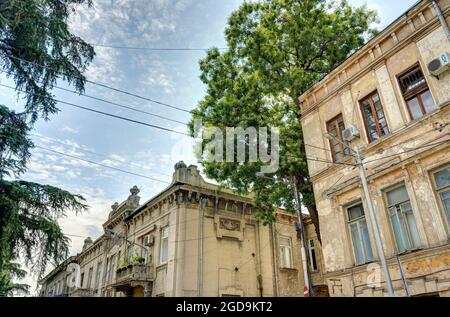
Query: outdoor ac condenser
column 439, row 65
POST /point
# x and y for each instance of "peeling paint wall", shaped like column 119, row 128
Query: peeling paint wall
column 407, row 156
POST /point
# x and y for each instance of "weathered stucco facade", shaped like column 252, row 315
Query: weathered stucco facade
column 402, row 114
column 192, row 239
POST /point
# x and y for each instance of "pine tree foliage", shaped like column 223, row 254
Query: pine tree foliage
column 37, row 50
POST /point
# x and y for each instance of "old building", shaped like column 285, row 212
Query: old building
column 391, row 99
column 192, row 239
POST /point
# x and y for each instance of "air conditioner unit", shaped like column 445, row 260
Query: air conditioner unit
column 439, row 65
column 149, row 240
column 350, row 133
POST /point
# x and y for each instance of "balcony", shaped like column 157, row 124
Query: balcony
column 82, row 292
column 133, row 275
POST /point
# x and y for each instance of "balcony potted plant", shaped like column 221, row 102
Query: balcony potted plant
column 138, row 259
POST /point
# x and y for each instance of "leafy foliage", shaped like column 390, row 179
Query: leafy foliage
column 36, row 49
column 7, row 287
column 277, row 49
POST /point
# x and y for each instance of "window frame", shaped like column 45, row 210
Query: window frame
column 291, row 255
column 375, row 116
column 437, row 191
column 416, row 93
column 343, row 149
column 310, row 252
column 161, row 260
column 90, row 275
column 98, row 274
column 357, row 221
column 385, row 198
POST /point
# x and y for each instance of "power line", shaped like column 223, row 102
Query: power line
column 96, row 153
column 100, row 164
column 155, row 48
column 409, row 150
column 100, row 112
column 104, row 85
column 113, row 103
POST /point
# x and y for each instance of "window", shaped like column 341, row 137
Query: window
column 374, row 119
column 359, row 234
column 416, row 93
column 402, row 219
column 442, row 185
column 286, row 253
column 82, row 280
column 89, row 281
column 164, row 245
column 112, row 268
column 97, row 275
column 335, row 127
column 312, row 255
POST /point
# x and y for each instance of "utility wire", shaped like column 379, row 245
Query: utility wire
column 112, row 103
column 155, row 48
column 100, row 112
column 104, row 85
column 100, row 164
column 409, row 150
column 96, row 153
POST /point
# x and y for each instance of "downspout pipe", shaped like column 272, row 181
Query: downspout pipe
column 201, row 245
column 275, row 262
column 441, row 17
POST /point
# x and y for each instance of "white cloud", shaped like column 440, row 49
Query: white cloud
column 68, row 129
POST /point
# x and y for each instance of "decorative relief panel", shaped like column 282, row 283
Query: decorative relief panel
column 229, row 227
column 230, row 224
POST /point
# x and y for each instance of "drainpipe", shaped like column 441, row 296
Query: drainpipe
column 441, row 17
column 275, row 262
column 201, row 225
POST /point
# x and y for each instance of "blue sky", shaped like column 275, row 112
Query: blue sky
column 168, row 76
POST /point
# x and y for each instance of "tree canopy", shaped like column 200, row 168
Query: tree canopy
column 277, row 49
column 36, row 50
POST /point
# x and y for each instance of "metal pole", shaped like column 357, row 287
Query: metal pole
column 200, row 269
column 402, row 273
column 374, row 223
column 307, row 291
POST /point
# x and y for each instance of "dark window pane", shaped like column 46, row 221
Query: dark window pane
column 355, row 212
column 314, row 261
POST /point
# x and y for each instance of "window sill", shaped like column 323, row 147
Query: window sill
column 362, row 264
column 161, row 265
column 288, row 269
column 409, row 251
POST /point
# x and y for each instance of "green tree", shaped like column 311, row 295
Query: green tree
column 36, row 50
column 277, row 49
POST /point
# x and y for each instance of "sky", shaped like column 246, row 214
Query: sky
column 168, row 76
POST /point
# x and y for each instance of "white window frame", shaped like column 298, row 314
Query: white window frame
column 358, row 221
column 164, row 245
column 398, row 207
column 286, row 255
column 438, row 191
